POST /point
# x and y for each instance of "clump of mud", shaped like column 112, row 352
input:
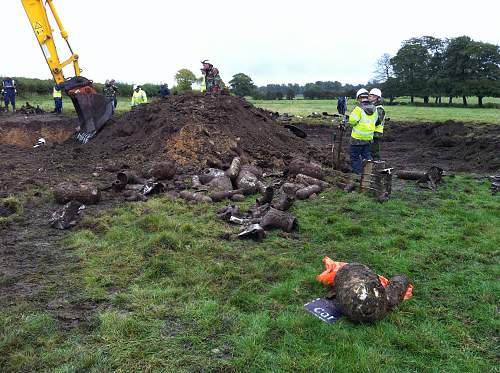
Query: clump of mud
column 199, row 130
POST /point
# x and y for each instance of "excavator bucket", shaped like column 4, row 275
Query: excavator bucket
column 93, row 110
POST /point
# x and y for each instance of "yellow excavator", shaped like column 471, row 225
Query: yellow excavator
column 93, row 109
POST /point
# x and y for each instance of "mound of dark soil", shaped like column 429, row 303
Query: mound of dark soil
column 198, row 130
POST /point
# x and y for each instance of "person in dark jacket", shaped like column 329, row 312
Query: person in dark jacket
column 376, row 99
column 9, row 93
column 110, row 91
column 342, row 105
column 164, row 91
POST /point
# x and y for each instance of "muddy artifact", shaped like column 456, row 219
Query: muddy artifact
column 85, row 192
column 194, row 197
column 220, row 196
column 220, row 184
column 304, row 193
column 129, row 177
column 376, row 179
column 234, row 169
column 284, row 203
column 267, row 197
column 67, row 216
column 308, row 180
column 209, row 174
column 238, row 198
column 298, row 166
column 278, row 219
column 254, row 231
column 361, row 295
column 291, row 188
column 430, row 178
column 296, row 130
column 227, row 212
column 195, row 182
column 247, row 181
column 495, row 184
column 162, row 170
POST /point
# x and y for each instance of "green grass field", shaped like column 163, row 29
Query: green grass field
column 174, row 297
column 400, row 113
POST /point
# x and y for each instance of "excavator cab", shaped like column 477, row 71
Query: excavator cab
column 93, row 109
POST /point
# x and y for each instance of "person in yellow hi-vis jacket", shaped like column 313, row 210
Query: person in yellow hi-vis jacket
column 139, row 96
column 57, row 95
column 362, row 119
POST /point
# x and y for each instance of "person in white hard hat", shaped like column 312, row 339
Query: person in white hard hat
column 362, row 119
column 376, row 99
column 139, row 96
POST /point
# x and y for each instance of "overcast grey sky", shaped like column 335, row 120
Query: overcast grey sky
column 140, row 41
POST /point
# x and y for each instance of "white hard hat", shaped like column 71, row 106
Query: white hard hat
column 376, row 92
column 361, row 92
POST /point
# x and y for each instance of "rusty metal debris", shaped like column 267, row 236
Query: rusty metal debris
column 67, row 216
column 428, row 179
column 376, row 179
column 495, row 184
column 28, row 109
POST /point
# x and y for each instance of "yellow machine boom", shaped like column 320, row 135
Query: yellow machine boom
column 93, row 109
column 37, row 15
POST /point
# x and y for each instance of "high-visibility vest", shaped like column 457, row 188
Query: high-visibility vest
column 363, row 125
column 379, row 128
column 139, row 97
column 56, row 93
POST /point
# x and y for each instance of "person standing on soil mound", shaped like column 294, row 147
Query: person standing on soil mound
column 9, row 93
column 110, row 91
column 139, row 96
column 164, row 91
column 211, row 78
column 376, row 99
column 362, row 120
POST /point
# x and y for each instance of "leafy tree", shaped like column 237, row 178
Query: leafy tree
column 391, row 88
column 185, row 79
column 485, row 71
column 458, row 66
column 383, row 69
column 242, row 85
column 410, row 66
column 290, row 94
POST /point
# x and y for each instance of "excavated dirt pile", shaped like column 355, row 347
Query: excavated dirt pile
column 199, row 131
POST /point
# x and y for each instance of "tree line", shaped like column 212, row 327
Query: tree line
column 32, row 86
column 429, row 67
column 423, row 67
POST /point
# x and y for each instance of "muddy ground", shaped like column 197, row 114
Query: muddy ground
column 196, row 132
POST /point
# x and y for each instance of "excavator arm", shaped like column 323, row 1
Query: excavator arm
column 93, row 109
